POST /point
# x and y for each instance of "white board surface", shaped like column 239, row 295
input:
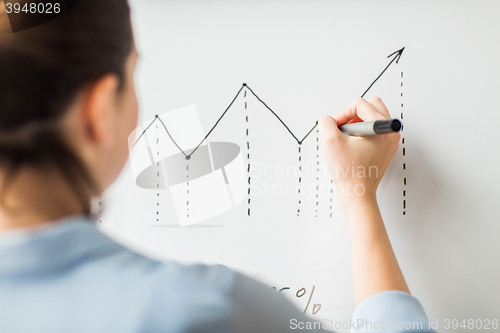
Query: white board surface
column 305, row 59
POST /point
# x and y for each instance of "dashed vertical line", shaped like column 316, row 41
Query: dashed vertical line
column 187, row 191
column 331, row 198
column 100, row 208
column 404, row 148
column 157, row 177
column 248, row 152
column 317, row 172
column 300, row 179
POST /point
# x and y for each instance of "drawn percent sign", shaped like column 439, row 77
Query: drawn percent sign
column 302, row 292
column 203, row 185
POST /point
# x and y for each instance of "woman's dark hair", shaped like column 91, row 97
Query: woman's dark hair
column 42, row 70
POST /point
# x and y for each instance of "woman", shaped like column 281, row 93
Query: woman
column 67, row 106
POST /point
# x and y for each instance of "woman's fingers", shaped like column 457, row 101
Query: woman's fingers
column 355, row 120
column 362, row 109
column 380, row 106
column 329, row 130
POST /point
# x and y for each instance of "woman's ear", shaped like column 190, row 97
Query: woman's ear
column 99, row 110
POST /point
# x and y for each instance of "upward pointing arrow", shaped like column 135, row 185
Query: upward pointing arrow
column 398, row 54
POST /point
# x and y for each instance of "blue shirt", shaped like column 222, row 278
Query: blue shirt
column 69, row 277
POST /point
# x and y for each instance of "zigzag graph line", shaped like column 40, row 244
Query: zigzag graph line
column 396, row 58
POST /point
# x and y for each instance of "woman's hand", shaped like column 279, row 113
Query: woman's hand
column 357, row 164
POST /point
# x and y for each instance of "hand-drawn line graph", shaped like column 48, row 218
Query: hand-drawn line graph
column 216, row 166
column 397, row 55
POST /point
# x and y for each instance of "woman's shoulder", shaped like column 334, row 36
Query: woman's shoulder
column 108, row 257
column 170, row 294
column 117, row 258
column 75, row 261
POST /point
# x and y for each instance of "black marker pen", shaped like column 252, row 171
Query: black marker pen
column 368, row 128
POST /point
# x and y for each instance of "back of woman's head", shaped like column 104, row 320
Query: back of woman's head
column 42, row 70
